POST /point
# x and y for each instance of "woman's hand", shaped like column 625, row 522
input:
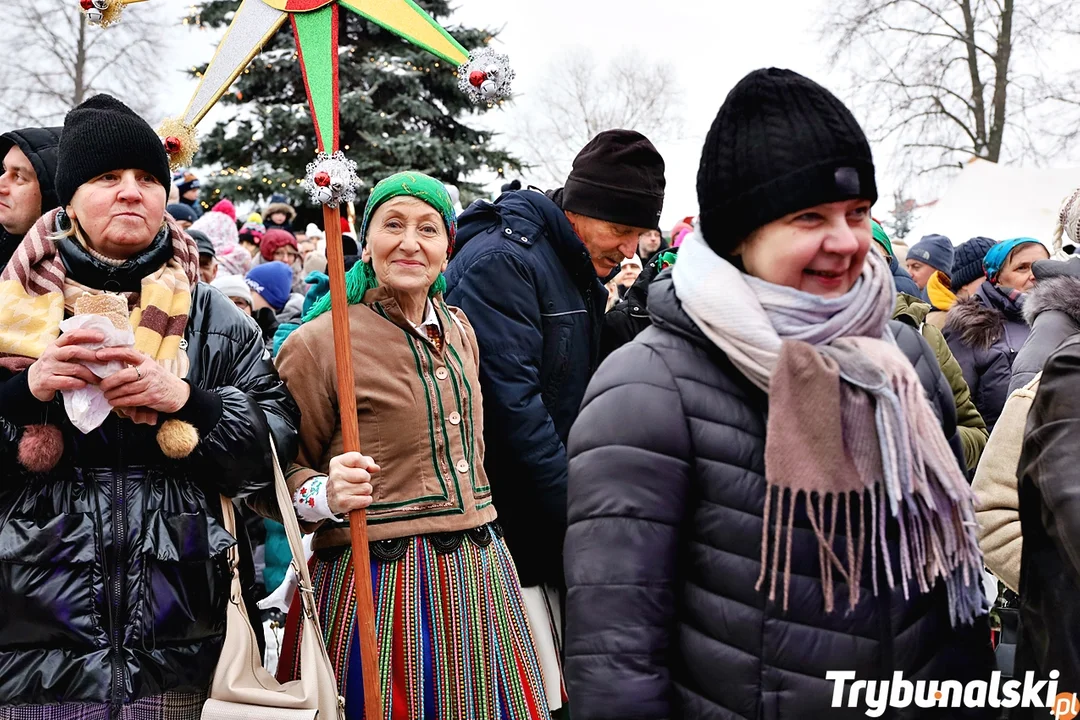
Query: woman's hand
column 349, row 487
column 61, row 366
column 144, row 384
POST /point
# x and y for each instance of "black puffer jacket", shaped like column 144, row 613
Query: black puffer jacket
column 1052, row 309
column 666, row 499
column 112, row 579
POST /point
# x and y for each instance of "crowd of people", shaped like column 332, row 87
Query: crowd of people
column 608, row 472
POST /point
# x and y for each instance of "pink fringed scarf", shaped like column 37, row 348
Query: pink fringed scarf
column 850, row 431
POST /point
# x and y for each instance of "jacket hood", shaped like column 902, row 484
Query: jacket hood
column 901, row 279
column 1060, row 293
column 977, row 325
column 40, row 147
column 526, row 216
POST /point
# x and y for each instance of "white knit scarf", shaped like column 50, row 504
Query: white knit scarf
column 849, row 427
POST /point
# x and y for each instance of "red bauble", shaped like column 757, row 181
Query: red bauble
column 86, row 4
column 477, row 78
column 322, row 178
column 172, row 145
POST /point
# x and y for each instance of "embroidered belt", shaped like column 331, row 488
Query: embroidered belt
column 394, row 549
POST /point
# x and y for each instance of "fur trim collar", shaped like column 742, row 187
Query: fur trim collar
column 1060, row 293
column 976, row 325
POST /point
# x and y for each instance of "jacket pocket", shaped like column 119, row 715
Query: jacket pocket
column 47, row 588
column 185, row 578
column 555, row 363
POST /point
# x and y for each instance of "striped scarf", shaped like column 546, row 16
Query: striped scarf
column 35, row 290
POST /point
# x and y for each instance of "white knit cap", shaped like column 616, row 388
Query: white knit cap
column 636, row 260
column 234, row 286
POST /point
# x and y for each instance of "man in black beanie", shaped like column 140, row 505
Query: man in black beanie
column 27, row 187
column 527, row 271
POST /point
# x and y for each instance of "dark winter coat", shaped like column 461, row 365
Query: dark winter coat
column 985, row 332
column 1052, row 310
column 666, row 499
column 630, row 316
column 39, row 145
column 1050, row 524
column 525, row 281
column 113, row 581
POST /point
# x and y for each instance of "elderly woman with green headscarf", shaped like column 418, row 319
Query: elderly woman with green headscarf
column 453, row 637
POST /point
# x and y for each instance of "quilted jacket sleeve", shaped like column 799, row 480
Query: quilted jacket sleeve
column 627, row 496
column 240, row 401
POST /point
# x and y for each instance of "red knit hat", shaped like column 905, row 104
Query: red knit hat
column 345, row 225
column 273, row 240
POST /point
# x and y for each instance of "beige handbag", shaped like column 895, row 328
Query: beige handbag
column 242, row 689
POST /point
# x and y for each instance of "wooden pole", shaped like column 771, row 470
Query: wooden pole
column 350, row 437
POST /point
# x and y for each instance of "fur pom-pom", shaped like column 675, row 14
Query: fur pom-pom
column 41, row 448
column 177, row 439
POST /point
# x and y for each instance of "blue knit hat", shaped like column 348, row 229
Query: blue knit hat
column 968, row 261
column 934, row 250
column 995, row 259
column 272, row 280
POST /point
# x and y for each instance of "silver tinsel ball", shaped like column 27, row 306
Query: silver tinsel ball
column 498, row 76
column 343, row 179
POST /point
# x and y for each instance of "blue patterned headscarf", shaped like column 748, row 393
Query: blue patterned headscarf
column 999, row 253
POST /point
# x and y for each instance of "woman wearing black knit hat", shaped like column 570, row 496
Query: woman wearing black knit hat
column 113, row 572
column 792, row 507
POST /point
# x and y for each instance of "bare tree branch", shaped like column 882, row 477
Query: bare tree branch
column 60, row 61
column 948, row 80
column 583, row 99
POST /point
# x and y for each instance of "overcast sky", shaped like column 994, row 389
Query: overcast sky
column 711, row 43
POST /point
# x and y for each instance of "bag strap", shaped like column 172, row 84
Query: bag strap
column 292, row 532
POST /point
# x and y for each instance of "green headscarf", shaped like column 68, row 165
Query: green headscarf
column 361, row 277
column 881, row 238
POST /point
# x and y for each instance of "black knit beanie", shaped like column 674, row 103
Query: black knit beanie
column 779, row 144
column 618, row 177
column 104, row 134
column 967, row 264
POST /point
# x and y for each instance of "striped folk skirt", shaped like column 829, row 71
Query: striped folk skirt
column 453, row 636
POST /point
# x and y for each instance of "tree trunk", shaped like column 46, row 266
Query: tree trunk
column 80, row 65
column 1001, row 81
column 978, row 88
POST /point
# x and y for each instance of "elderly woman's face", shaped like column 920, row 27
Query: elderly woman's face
column 1017, row 274
column 120, row 212
column 406, row 243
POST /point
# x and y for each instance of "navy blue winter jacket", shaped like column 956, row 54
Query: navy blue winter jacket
column 525, row 281
column 903, row 280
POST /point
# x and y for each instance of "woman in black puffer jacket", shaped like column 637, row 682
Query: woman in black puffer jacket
column 113, row 575
column 698, row 586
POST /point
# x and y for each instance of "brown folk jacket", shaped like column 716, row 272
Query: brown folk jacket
column 420, row 411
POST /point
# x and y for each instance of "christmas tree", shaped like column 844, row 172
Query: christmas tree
column 401, row 109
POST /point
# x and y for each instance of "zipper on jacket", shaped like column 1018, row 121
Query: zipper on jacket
column 119, row 535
